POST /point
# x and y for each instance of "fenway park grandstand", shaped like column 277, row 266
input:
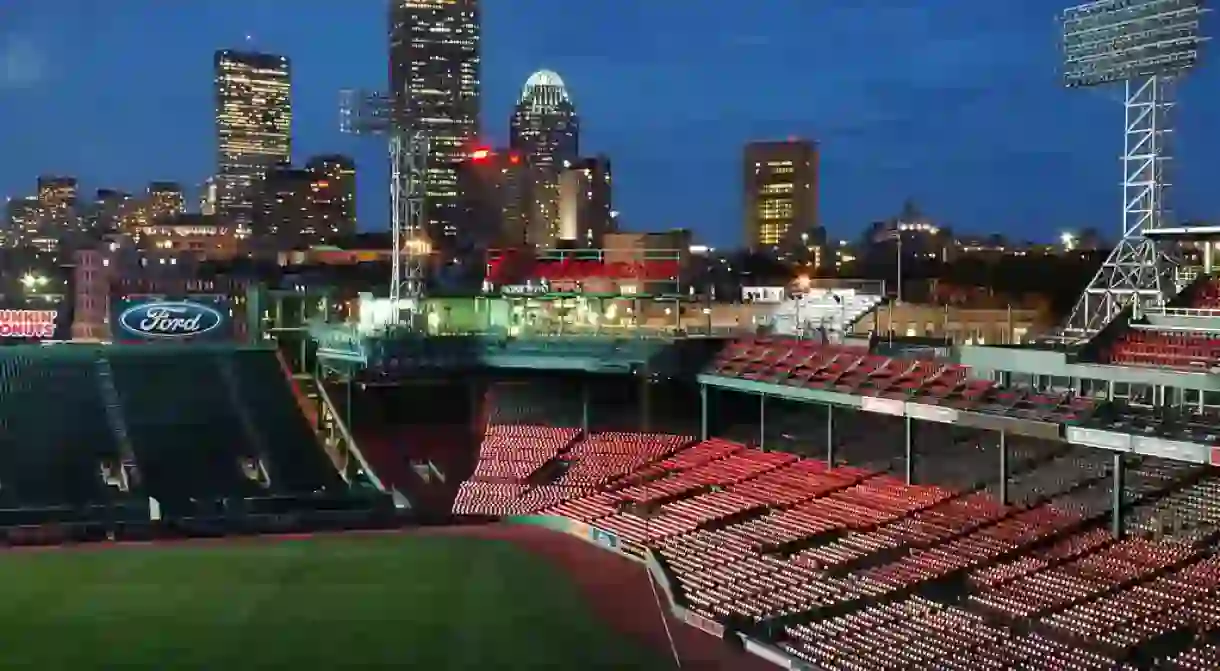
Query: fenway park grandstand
column 803, row 497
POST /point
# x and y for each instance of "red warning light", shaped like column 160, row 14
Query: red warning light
column 514, row 159
column 480, row 154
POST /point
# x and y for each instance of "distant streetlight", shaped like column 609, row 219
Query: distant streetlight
column 33, row 282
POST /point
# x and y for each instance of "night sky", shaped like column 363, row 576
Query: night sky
column 954, row 103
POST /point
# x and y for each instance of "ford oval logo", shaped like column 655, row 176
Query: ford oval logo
column 171, row 319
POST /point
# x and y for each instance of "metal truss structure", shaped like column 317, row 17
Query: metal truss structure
column 365, row 113
column 1146, row 44
column 1137, row 273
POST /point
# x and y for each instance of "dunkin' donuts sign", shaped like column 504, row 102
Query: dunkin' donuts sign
column 170, row 320
column 33, row 324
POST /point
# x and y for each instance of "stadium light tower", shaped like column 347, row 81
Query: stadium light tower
column 1146, row 45
column 367, row 113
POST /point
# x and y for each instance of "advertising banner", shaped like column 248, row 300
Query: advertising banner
column 28, row 324
column 171, row 320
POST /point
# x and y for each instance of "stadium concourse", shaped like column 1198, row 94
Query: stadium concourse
column 872, row 563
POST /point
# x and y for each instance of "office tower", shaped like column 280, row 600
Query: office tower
column 107, row 210
column 434, row 78
column 293, row 210
column 544, row 127
column 22, row 221
column 253, row 127
column 495, row 190
column 585, row 202
column 336, row 196
column 165, row 200
column 208, row 197
column 781, row 192
column 58, row 217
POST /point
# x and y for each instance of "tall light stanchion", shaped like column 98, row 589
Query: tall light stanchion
column 367, row 113
column 1146, row 45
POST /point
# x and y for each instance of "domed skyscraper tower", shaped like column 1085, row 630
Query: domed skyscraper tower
column 546, row 131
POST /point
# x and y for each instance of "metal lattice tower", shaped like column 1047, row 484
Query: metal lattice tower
column 1137, row 271
column 1146, row 44
column 365, row 113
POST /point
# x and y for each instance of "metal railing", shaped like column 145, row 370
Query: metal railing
column 1182, row 312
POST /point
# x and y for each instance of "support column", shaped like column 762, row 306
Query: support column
column 347, row 410
column 762, row 421
column 1116, row 497
column 1004, row 468
column 910, row 451
column 645, row 400
column 703, row 412
column 830, row 435
column 584, row 407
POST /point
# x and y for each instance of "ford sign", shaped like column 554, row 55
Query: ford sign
column 170, row 319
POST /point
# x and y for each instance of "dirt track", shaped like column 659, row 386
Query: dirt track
column 622, row 595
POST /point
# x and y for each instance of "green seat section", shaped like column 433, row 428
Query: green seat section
column 54, row 433
column 184, row 429
column 294, row 458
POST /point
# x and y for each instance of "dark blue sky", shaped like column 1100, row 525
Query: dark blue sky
column 953, row 102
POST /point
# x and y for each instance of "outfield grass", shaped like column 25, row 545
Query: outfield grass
column 327, row 603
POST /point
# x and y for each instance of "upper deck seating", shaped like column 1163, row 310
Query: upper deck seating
column 1191, row 349
column 852, row 370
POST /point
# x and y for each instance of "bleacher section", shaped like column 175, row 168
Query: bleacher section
column 848, row 568
column 1192, row 349
column 57, row 449
column 94, row 435
column 834, row 310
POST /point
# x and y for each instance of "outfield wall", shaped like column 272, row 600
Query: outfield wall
column 611, row 542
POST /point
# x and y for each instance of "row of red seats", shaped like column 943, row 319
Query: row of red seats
column 1080, row 580
column 805, row 363
column 918, row 633
column 1181, row 350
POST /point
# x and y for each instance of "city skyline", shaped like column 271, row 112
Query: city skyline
column 966, row 117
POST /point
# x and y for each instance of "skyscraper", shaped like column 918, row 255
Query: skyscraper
column 584, row 202
column 253, row 127
column 546, row 130
column 781, row 192
column 336, row 195
column 434, row 80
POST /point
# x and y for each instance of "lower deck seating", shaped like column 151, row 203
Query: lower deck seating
column 56, row 442
column 297, row 461
column 916, row 576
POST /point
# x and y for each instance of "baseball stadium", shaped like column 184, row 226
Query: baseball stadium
column 526, row 483
column 590, row 465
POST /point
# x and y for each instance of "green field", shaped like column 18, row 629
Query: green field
column 327, row 603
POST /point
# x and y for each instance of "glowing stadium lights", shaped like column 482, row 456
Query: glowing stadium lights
column 1146, row 44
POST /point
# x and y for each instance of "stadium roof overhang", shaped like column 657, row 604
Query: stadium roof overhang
column 1060, row 363
column 1184, row 233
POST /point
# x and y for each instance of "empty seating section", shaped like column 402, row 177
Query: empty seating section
column 1169, row 349
column 1186, row 350
column 845, row 567
column 503, row 480
column 184, row 428
column 813, row 365
column 836, row 311
column 297, row 463
column 55, row 437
